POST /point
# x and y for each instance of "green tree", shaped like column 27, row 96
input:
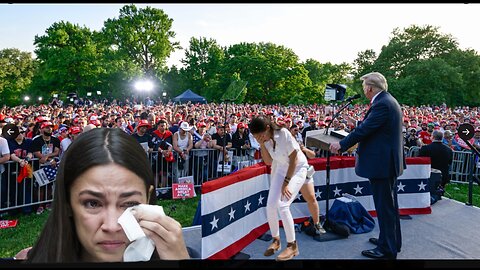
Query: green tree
column 68, row 60
column 119, row 73
column 429, row 81
column 16, row 72
column 296, row 100
column 244, row 59
column 142, row 36
column 272, row 71
column 467, row 90
column 410, row 45
column 175, row 82
column 363, row 63
column 323, row 74
column 203, row 64
column 419, row 65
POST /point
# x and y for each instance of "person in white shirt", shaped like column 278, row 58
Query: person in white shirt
column 289, row 170
column 4, row 157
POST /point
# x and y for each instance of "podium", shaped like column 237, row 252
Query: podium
column 322, row 139
column 318, row 138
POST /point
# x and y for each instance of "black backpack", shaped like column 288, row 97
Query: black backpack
column 308, row 227
column 341, row 229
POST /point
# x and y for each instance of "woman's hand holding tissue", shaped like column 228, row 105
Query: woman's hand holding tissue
column 165, row 231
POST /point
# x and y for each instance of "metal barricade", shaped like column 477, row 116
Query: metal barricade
column 24, row 195
column 413, row 151
column 201, row 164
column 476, row 171
column 461, row 166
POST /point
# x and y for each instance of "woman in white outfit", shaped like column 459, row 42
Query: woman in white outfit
column 288, row 172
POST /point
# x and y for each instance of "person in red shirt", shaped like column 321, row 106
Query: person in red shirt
column 425, row 136
column 162, row 141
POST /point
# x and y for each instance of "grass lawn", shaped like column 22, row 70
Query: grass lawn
column 459, row 192
column 28, row 228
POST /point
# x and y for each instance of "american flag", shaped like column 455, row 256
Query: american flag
column 233, row 207
column 233, row 211
column 51, row 172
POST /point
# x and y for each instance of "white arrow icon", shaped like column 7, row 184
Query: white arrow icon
column 10, row 132
column 466, row 132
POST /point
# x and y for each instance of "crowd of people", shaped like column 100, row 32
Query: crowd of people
column 127, row 116
column 190, row 138
column 173, row 135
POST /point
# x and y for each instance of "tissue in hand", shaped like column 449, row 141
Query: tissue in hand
column 141, row 248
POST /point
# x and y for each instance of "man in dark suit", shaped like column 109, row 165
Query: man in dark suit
column 380, row 158
column 441, row 157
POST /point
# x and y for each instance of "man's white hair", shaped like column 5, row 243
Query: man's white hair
column 375, row 79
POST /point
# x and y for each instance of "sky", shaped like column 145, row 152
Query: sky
column 333, row 33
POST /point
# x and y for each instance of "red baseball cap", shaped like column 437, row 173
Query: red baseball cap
column 75, row 130
column 144, row 123
column 40, row 119
column 46, row 124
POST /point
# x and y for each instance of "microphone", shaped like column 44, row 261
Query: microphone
column 353, row 97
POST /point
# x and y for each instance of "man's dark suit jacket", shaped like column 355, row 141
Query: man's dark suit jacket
column 441, row 157
column 380, row 140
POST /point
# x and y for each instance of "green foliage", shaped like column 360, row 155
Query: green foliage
column 323, row 74
column 203, row 64
column 69, row 61
column 75, row 59
column 120, row 73
column 16, row 72
column 272, row 71
column 142, row 36
column 236, row 90
column 412, row 44
column 467, row 90
column 175, row 82
column 433, row 76
column 363, row 63
column 296, row 100
column 423, row 66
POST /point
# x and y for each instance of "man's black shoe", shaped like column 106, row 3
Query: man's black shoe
column 376, row 254
column 374, row 241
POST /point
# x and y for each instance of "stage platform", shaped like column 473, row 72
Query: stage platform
column 450, row 233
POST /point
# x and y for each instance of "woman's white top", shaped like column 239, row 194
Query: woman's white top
column 285, row 145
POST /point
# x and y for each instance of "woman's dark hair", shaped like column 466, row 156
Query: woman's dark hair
column 259, row 124
column 58, row 241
